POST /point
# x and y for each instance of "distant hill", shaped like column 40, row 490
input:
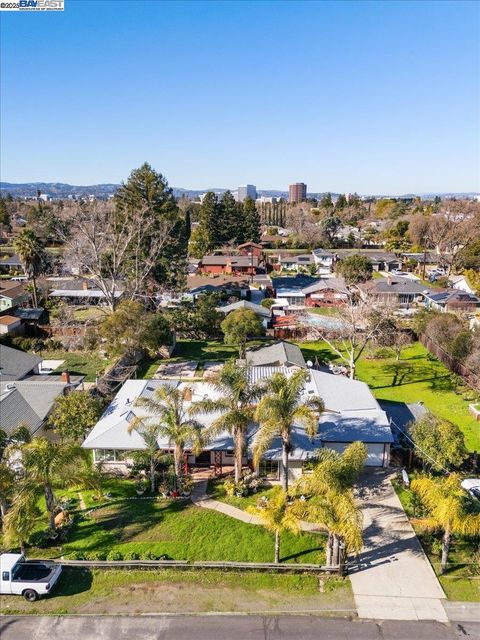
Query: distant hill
column 60, row 190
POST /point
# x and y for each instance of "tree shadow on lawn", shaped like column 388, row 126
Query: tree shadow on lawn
column 122, row 522
column 202, row 350
column 403, row 373
column 299, row 554
column 72, row 581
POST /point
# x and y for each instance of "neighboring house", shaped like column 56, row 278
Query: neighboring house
column 461, row 283
column 251, row 248
column 381, row 260
column 296, row 263
column 28, row 402
column 16, row 364
column 329, row 292
column 397, row 290
column 324, row 260
column 229, row 265
column 10, row 263
column 227, row 285
column 351, row 414
column 307, row 291
column 260, row 311
column 10, row 325
column 280, row 354
column 12, row 294
column 430, row 260
column 80, row 291
column 452, row 301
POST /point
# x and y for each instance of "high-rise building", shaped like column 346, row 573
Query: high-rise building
column 297, row 192
column 246, row 191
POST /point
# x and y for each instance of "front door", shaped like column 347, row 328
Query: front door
column 203, row 459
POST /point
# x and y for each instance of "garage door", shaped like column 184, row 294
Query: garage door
column 374, row 457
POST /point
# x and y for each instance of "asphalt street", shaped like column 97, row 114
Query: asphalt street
column 227, row 627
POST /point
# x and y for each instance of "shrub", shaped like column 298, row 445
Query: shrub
column 77, row 555
column 150, row 556
column 115, row 555
column 133, row 556
column 97, row 555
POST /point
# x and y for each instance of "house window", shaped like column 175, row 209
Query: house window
column 269, row 469
column 108, row 455
column 228, row 453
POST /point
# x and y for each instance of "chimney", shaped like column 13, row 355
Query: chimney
column 65, row 377
column 389, row 280
column 187, row 394
column 85, row 285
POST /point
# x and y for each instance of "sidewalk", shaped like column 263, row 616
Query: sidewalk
column 201, row 499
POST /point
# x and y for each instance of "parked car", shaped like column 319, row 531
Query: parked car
column 472, row 485
column 27, row 578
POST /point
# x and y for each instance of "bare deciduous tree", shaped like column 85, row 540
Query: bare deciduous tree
column 117, row 250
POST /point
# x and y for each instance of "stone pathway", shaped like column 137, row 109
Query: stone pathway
column 394, row 579
column 201, row 499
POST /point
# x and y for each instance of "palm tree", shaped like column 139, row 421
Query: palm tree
column 277, row 516
column 236, row 406
column 32, row 255
column 167, row 418
column 446, row 503
column 47, row 465
column 330, row 501
column 20, row 521
column 7, row 486
column 277, row 412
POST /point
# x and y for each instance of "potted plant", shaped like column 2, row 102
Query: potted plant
column 140, row 488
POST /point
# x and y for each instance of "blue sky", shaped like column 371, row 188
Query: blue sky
column 373, row 97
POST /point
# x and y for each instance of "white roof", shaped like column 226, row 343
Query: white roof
column 7, row 560
column 81, row 293
column 342, row 394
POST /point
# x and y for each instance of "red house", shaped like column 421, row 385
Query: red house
column 251, row 247
column 230, row 265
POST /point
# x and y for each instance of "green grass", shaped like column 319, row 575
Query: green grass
column 151, row 591
column 462, row 580
column 216, row 489
column 85, row 363
column 89, row 313
column 418, row 376
column 181, row 531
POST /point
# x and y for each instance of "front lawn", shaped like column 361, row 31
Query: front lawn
column 179, row 530
column 216, row 490
column 120, row 591
column 417, row 377
column 83, row 363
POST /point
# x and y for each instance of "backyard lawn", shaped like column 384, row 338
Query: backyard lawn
column 180, row 531
column 417, row 377
column 84, row 363
column 121, row 591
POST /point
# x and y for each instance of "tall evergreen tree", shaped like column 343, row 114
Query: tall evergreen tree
column 251, row 221
column 209, row 219
column 229, row 218
column 146, row 188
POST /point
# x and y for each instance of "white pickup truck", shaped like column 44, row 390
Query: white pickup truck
column 27, row 578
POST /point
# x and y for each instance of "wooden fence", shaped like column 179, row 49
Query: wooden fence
column 186, row 565
column 471, row 378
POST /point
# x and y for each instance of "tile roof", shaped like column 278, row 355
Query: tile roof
column 280, row 353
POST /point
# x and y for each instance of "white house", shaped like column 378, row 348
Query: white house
column 461, row 283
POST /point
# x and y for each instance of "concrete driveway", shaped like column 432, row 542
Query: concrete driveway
column 394, row 579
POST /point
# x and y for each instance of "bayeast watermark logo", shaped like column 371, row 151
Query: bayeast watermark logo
column 33, row 5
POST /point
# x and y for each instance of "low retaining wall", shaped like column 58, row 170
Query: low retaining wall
column 185, row 564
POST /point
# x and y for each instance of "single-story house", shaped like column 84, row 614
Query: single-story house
column 28, row 402
column 258, row 309
column 10, row 325
column 10, row 263
column 279, row 354
column 381, row 260
column 296, row 263
column 461, row 283
column 452, row 300
column 229, row 264
column 307, row 291
column 16, row 364
column 80, row 291
column 12, row 294
column 351, row 414
column 222, row 284
column 431, row 260
column 397, row 290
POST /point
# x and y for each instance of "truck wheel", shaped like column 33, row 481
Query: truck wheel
column 30, row 594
